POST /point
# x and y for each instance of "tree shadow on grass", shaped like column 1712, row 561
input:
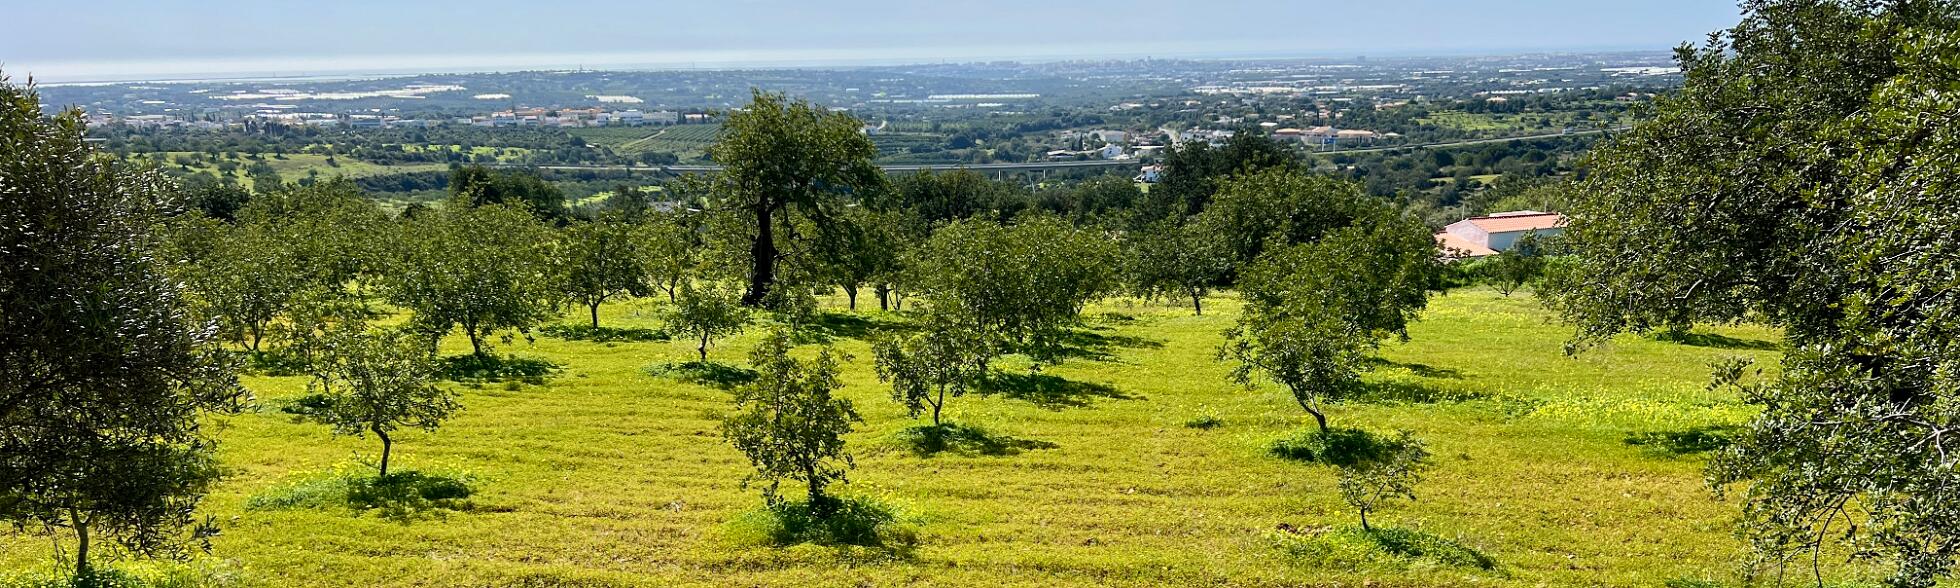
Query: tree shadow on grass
column 403, row 496
column 1716, row 341
column 1048, row 391
column 603, row 334
column 1417, row 545
column 1419, row 369
column 1688, row 441
column 1354, row 547
column 863, row 529
column 710, row 373
column 406, row 496
column 930, row 440
column 824, row 327
column 496, row 368
column 1096, row 346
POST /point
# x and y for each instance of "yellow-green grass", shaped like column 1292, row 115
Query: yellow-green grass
column 607, row 476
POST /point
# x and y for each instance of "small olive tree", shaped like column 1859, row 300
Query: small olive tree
column 598, row 261
column 706, row 312
column 946, row 357
column 1175, row 262
column 1512, row 269
column 1314, row 312
column 376, row 382
column 671, row 248
column 1389, row 468
column 789, row 425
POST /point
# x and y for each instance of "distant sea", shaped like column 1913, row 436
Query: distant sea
column 318, row 68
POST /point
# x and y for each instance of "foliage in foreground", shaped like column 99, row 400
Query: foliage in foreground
column 1804, row 176
column 789, row 425
column 104, row 380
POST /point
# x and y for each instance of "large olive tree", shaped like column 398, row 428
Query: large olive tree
column 1805, row 176
column 104, row 381
column 785, row 159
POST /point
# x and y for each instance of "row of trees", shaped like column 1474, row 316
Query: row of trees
column 299, row 273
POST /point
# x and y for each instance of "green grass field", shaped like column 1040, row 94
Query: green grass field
column 607, row 476
column 685, row 141
column 296, row 165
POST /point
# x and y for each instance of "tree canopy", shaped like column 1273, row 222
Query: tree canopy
column 484, row 269
column 1804, row 176
column 783, row 159
column 104, row 378
column 1314, row 311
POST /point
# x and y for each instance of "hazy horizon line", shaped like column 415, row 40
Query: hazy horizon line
column 323, row 68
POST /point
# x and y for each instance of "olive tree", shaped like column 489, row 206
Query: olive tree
column 944, row 357
column 1174, row 261
column 1385, row 468
column 671, row 250
column 482, row 268
column 856, row 248
column 1026, row 283
column 782, row 160
column 289, row 245
column 1277, row 207
column 1803, row 176
column 707, row 311
column 1511, row 269
column 375, row 382
column 104, row 380
column 789, row 425
column 1314, row 312
column 598, row 261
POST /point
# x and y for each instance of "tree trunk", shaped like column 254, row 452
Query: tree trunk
column 704, row 348
column 82, row 569
column 762, row 252
column 387, row 446
column 1317, row 416
column 884, row 297
column 595, row 315
column 819, row 505
column 476, row 339
column 936, row 406
column 1198, row 304
column 851, row 292
column 1364, row 521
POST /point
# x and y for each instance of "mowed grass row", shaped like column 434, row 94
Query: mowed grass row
column 608, row 476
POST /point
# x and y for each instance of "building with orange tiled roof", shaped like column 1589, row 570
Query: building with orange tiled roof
column 1479, row 236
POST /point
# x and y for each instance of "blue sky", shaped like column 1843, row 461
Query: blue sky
column 62, row 38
